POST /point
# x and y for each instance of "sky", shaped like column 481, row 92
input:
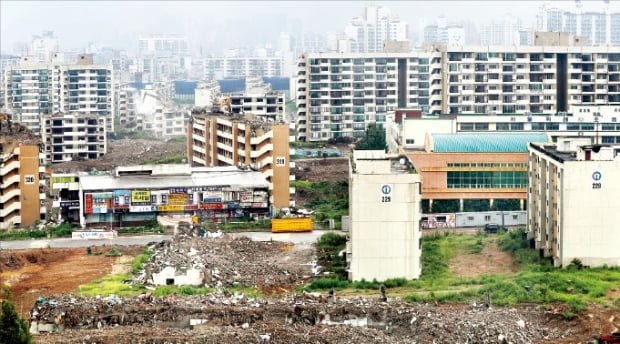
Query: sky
column 211, row 24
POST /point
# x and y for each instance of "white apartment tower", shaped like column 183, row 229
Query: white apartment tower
column 378, row 25
column 35, row 89
column 339, row 94
column 598, row 23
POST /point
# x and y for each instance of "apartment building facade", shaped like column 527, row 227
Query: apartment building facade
column 233, row 140
column 216, row 68
column 385, row 213
column 34, row 89
column 339, row 94
column 22, row 186
column 72, row 136
column 571, row 209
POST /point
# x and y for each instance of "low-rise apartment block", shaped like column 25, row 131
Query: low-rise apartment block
column 385, row 213
column 72, row 136
column 22, row 186
column 237, row 140
column 572, row 208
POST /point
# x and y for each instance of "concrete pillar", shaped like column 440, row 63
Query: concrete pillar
column 430, row 205
column 461, row 203
column 491, row 203
column 521, row 204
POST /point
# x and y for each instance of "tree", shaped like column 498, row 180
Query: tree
column 374, row 139
column 13, row 328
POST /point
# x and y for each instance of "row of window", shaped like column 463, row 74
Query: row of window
column 487, row 164
column 486, row 179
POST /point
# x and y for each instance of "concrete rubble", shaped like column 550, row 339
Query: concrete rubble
column 220, row 261
column 307, row 318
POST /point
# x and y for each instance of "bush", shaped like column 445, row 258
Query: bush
column 63, row 230
column 328, row 247
column 13, row 328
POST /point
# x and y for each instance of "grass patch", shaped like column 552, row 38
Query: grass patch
column 111, row 284
column 140, row 260
column 537, row 282
column 186, row 290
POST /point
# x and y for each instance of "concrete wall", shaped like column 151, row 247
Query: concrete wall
column 192, row 277
column 591, row 220
column 385, row 235
column 417, row 128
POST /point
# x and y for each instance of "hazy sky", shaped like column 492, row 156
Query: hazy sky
column 227, row 23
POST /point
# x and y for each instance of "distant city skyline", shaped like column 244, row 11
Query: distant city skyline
column 214, row 25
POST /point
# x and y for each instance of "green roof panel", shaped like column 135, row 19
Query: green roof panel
column 485, row 142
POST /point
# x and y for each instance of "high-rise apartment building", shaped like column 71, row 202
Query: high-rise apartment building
column 73, row 136
column 163, row 45
column 216, row 68
column 601, row 26
column 378, row 25
column 35, row 89
column 339, row 94
column 43, row 46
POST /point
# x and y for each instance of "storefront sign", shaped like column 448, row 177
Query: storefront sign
column 170, row 208
column 142, row 196
column 191, row 207
column 211, row 206
column 70, row 204
column 142, row 208
column 177, row 199
column 88, row 203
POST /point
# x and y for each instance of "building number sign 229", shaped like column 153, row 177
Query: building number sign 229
column 386, row 193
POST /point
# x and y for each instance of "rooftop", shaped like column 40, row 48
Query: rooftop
column 485, row 142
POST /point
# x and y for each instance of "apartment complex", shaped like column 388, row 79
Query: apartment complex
column 72, row 136
column 339, row 94
column 385, row 213
column 217, row 68
column 572, row 214
column 127, row 99
column 236, row 140
column 600, row 26
column 22, row 191
column 34, row 89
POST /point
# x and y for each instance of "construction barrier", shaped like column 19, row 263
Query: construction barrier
column 300, row 224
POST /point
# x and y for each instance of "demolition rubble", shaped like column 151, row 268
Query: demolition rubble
column 216, row 260
column 306, row 318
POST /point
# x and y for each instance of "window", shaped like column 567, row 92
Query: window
column 487, row 217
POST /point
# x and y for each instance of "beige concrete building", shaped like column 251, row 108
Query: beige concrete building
column 22, row 194
column 572, row 202
column 236, row 140
column 385, row 213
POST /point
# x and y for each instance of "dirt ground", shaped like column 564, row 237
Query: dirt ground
column 490, row 261
column 45, row 272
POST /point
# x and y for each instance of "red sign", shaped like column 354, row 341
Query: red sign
column 191, row 207
column 88, row 203
column 211, row 206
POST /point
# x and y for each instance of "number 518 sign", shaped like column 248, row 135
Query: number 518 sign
column 386, row 193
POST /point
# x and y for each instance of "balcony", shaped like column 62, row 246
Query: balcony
column 8, row 195
column 15, row 206
column 6, row 168
column 10, row 181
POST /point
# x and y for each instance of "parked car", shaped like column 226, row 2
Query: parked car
column 491, row 228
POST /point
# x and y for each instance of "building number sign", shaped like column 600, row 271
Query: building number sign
column 596, row 177
column 386, row 193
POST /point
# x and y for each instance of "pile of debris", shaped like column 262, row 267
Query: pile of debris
column 220, row 261
column 307, row 318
